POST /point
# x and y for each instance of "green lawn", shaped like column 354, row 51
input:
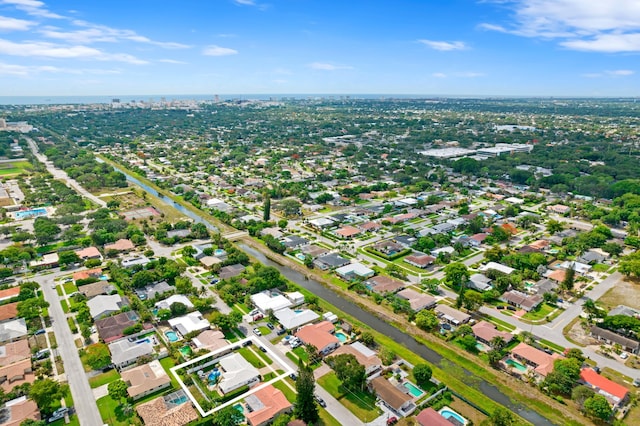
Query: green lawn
column 168, row 363
column 251, row 357
column 286, row 390
column 65, row 306
column 111, row 412
column 361, row 404
column 327, row 419
column 539, row 313
column 104, row 378
column 264, row 330
column 59, row 290
column 69, row 288
column 600, row 267
column 502, row 325
column 301, row 352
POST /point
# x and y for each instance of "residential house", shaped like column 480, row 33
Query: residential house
column 382, row 284
column 125, row 353
column 616, row 394
column 485, row 332
column 370, row 226
column 174, row 409
column 321, row 223
column 13, row 329
column 292, row 319
column 16, row 374
column 347, row 232
column 320, row 336
column 268, row 301
column 210, row 340
column 420, row 260
column 16, row 411
column 497, row 267
column 388, row 247
column 266, row 404
column 330, row 261
column 236, row 373
column 111, row 328
column 479, row 282
column 178, row 233
column 96, row 289
column 122, row 245
column 174, row 298
column 406, row 241
column 231, row 271
column 365, row 356
column 292, row 242
column 612, row 338
column 354, row 271
column 313, row 250
column 49, row 260
column 580, row 268
column 591, row 257
column 9, row 293
column 541, row 362
column 152, row 290
column 88, row 273
column 451, row 315
column 193, row 321
column 559, row 209
column 477, row 239
column 145, row 379
column 418, row 301
column 624, row 310
column 131, row 261
column 89, row 253
column 522, row 300
column 8, row 311
column 543, row 286
column 557, row 276
column 395, row 399
column 295, row 297
column 430, row 417
column 102, row 306
column 14, row 351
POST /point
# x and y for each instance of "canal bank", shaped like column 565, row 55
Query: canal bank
column 360, row 314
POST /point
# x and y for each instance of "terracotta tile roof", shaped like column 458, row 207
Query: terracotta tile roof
column 88, row 253
column 14, row 352
column 318, row 335
column 156, row 413
column 430, row 417
column 617, row 391
column 391, row 395
column 144, row 378
column 16, row 374
column 348, row 231
column 557, row 275
column 543, row 361
column 273, row 401
column 8, row 311
column 120, row 245
column 9, row 293
column 487, row 331
column 21, row 409
column 83, row 275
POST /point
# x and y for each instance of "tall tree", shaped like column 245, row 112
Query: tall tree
column 46, row 393
column 266, row 214
column 598, row 407
column 306, row 409
column 569, row 279
column 351, row 373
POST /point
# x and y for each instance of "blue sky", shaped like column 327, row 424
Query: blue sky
column 430, row 47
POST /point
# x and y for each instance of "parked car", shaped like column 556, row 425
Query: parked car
column 392, row 420
column 257, row 332
column 41, row 331
column 293, row 376
column 248, row 342
column 271, row 327
column 263, row 349
column 624, row 355
column 319, row 400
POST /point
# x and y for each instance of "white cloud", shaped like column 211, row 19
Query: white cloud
column 444, row 45
column 12, row 24
column 33, row 8
column 171, row 61
column 214, row 50
column 621, row 72
column 469, row 74
column 609, row 73
column 50, row 50
column 24, row 70
column 328, row 67
column 439, row 75
column 245, row 2
column 607, row 26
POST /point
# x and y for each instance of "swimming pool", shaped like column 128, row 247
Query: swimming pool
column 213, row 376
column 415, row 391
column 515, row 364
column 219, row 252
column 239, row 407
column 341, row 336
column 448, row 413
column 301, row 256
column 22, row 214
column 172, row 336
column 143, row 341
column 103, row 277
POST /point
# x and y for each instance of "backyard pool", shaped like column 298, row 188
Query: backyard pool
column 415, row 391
column 448, row 413
column 171, row 335
column 213, row 376
column 219, row 252
column 515, row 364
column 239, row 407
column 24, row 214
column 301, row 256
column 480, row 346
column 186, row 351
column 341, row 336
column 103, row 277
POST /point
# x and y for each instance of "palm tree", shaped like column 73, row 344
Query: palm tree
column 498, row 343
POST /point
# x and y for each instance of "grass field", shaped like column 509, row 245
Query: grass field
column 104, row 378
column 111, row 413
column 361, row 404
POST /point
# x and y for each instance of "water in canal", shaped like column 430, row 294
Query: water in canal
column 389, row 330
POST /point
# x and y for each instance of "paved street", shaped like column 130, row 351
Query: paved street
column 85, row 404
column 62, row 175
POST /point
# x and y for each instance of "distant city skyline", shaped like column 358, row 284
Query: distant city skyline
column 558, row 48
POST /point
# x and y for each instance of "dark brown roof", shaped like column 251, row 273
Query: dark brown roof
column 111, row 328
column 391, row 395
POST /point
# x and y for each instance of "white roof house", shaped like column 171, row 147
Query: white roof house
column 237, row 372
column 321, row 222
column 193, row 321
column 124, row 352
column 291, row 319
column 13, row 329
column 581, row 268
column 175, row 298
column 267, row 301
column 497, row 267
column 103, row 305
column 353, row 270
column 295, row 297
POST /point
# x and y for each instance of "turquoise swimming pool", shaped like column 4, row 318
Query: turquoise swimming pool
column 515, row 364
column 448, row 413
column 23, row 214
column 341, row 336
column 172, row 336
column 415, row 391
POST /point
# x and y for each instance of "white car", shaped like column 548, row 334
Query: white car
column 624, row 355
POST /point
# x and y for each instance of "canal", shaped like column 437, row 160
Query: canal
column 391, row 331
column 356, row 312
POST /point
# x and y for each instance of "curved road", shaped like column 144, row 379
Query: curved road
column 85, row 404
